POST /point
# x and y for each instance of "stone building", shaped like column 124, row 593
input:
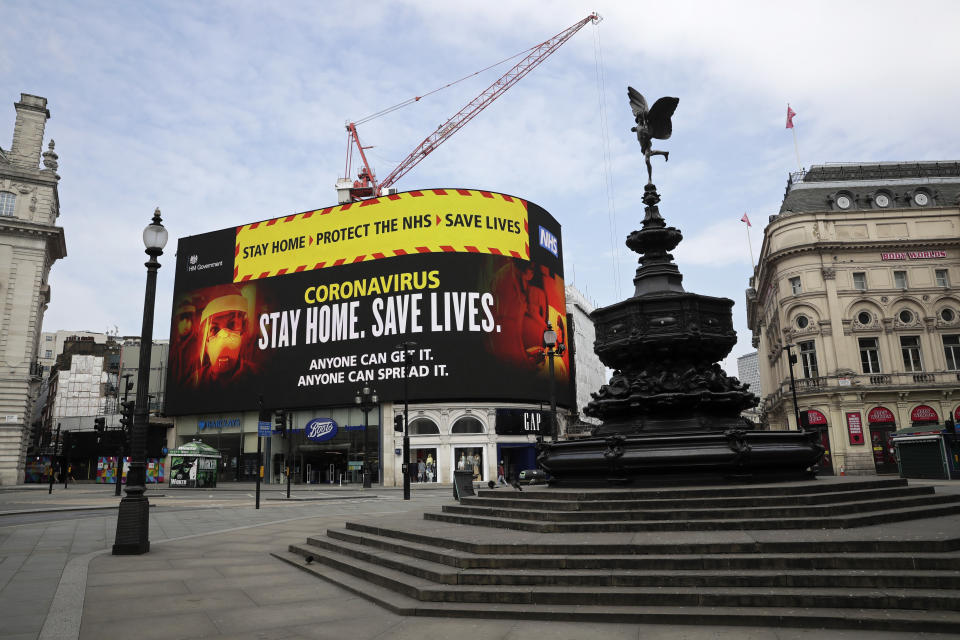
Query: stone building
column 856, row 279
column 30, row 242
column 748, row 371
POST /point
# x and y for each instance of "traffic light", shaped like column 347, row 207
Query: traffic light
column 126, row 416
column 398, row 423
column 282, row 423
column 100, row 425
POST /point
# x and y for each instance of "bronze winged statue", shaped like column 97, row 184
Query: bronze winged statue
column 653, row 122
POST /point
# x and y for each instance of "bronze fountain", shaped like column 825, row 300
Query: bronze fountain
column 669, row 413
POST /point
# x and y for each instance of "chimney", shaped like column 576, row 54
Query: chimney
column 32, row 114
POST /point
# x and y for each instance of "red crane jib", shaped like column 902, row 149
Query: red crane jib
column 367, row 186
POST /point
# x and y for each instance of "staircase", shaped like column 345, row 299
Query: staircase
column 800, row 555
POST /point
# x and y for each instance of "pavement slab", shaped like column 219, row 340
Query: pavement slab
column 209, row 573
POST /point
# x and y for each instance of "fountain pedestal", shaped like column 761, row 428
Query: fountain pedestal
column 670, row 413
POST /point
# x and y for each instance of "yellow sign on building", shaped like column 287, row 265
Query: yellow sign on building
column 434, row 221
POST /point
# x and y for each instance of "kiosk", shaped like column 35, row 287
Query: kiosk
column 194, row 465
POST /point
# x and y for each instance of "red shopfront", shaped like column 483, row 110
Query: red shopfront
column 882, row 425
column 817, row 422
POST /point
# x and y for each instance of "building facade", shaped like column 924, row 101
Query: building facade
column 30, row 242
column 748, row 371
column 857, row 282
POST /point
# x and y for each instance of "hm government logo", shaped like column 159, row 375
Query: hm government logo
column 194, row 259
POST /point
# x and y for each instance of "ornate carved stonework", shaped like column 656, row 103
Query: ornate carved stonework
column 829, row 273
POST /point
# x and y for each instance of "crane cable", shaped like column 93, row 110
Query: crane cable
column 410, row 101
column 607, row 162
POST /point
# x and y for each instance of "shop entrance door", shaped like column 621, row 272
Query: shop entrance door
column 884, row 457
column 516, row 459
column 826, row 461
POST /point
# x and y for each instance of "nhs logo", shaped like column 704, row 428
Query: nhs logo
column 549, row 242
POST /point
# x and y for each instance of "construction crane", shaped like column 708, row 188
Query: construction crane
column 366, row 184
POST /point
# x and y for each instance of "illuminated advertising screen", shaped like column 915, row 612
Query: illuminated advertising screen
column 306, row 309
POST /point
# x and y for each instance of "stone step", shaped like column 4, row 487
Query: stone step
column 599, row 547
column 694, row 558
column 597, row 526
column 512, row 499
column 791, row 616
column 681, row 511
column 423, row 589
column 741, row 490
column 669, row 575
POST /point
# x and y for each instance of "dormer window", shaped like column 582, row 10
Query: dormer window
column 7, row 200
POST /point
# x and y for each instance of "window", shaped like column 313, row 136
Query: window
column 48, row 353
column 802, row 322
column 7, row 200
column 860, row 280
column 423, row 427
column 943, row 280
column 864, row 318
column 808, row 356
column 49, row 338
column 947, row 315
column 910, row 348
column 906, row 316
column 869, row 355
column 795, row 286
column 900, row 279
column 951, row 349
column 467, row 424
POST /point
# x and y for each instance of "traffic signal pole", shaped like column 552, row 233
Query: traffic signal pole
column 53, row 458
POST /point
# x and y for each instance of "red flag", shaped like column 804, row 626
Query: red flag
column 746, row 219
column 790, row 114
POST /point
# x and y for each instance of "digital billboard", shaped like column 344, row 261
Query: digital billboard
column 307, row 308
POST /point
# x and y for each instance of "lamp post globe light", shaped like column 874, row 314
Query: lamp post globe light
column 366, row 400
column 550, row 342
column 133, row 519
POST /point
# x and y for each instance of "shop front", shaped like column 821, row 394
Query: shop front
column 816, row 421
column 326, row 446
column 882, row 424
column 224, row 433
column 517, row 456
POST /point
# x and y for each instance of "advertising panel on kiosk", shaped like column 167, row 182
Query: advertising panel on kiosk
column 306, row 308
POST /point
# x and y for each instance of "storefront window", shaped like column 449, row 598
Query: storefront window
column 470, row 459
column 423, row 465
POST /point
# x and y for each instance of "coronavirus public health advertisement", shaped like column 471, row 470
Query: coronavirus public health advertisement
column 450, row 289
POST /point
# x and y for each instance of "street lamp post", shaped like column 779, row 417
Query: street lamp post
column 133, row 519
column 366, row 400
column 406, row 347
column 553, row 350
column 792, row 360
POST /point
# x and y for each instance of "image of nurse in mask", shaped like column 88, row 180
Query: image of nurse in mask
column 223, row 330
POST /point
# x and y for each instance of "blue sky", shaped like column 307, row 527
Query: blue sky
column 223, row 113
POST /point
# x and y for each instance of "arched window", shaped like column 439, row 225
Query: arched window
column 423, row 427
column 467, row 424
column 7, row 201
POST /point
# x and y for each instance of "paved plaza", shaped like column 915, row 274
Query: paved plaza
column 209, row 573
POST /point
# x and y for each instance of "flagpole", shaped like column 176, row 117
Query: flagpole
column 790, row 125
column 753, row 263
column 796, row 149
